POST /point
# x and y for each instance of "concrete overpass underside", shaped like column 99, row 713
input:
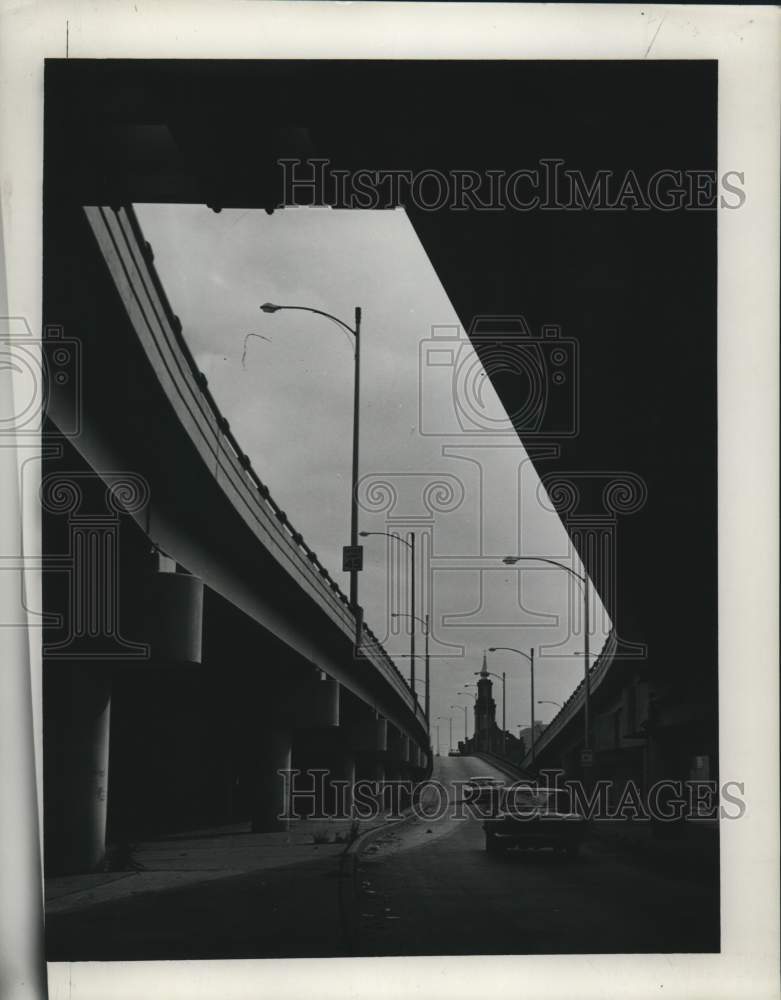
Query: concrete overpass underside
column 201, row 645
column 637, row 290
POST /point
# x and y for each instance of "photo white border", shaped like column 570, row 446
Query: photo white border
column 745, row 42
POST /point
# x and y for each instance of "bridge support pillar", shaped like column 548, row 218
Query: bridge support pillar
column 85, row 750
column 342, row 770
column 369, row 739
column 370, row 768
column 269, row 802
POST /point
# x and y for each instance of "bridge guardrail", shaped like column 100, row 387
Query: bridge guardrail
column 574, row 703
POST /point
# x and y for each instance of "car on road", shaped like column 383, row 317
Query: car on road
column 484, row 790
column 534, row 819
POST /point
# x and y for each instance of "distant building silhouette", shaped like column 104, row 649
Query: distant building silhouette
column 487, row 736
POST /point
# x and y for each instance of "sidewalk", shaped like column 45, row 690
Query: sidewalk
column 212, row 894
column 183, row 859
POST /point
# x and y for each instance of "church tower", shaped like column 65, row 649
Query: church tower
column 485, row 710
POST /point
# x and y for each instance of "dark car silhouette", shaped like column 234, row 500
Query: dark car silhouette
column 532, row 819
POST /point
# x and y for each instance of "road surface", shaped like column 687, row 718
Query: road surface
column 431, row 889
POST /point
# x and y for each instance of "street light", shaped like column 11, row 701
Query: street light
column 463, row 694
column 456, row 708
column 450, row 720
column 546, row 701
column 426, row 631
column 411, row 546
column 352, row 557
column 583, row 579
column 530, row 658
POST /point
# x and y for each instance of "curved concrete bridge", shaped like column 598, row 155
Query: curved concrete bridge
column 201, row 646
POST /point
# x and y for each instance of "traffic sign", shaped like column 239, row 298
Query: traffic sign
column 352, row 558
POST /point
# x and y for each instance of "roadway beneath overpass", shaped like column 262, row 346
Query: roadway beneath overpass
column 424, row 887
column 635, row 290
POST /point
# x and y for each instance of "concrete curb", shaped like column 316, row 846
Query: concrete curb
column 348, row 877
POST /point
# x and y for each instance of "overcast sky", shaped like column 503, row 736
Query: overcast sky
column 290, row 406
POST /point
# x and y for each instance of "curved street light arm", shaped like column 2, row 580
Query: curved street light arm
column 406, row 614
column 388, row 534
column 512, row 560
column 270, row 307
column 509, row 649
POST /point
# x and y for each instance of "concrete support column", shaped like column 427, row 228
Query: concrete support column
column 377, row 770
column 406, row 775
column 314, row 706
column 369, row 739
column 342, row 770
column 370, row 767
column 392, row 773
column 270, row 792
column 85, row 768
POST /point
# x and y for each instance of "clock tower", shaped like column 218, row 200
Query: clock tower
column 485, row 711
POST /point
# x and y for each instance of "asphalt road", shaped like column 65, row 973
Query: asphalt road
column 431, row 889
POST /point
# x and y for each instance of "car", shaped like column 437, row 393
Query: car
column 534, row 819
column 484, row 789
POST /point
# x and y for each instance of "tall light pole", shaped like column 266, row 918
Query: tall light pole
column 450, row 720
column 511, row 561
column 463, row 694
column 426, row 630
column 502, row 678
column 456, row 708
column 410, row 543
column 530, row 658
column 521, row 727
column 352, row 558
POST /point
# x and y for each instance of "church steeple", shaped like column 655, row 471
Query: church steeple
column 485, row 709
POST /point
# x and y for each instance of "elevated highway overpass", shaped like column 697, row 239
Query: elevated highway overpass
column 635, row 289
column 224, row 629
